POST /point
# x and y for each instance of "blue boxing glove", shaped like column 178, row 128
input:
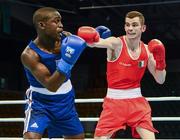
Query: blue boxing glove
column 103, row 31
column 64, row 34
column 71, row 48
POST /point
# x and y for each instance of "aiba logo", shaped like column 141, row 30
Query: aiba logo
column 69, row 52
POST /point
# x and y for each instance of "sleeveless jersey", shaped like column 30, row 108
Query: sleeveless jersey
column 49, row 60
column 125, row 72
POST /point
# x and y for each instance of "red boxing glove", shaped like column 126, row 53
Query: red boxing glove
column 157, row 48
column 89, row 34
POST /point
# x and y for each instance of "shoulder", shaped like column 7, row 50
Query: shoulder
column 146, row 46
column 28, row 52
column 28, row 55
column 114, row 40
column 147, row 50
column 149, row 54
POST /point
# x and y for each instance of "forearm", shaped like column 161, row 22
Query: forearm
column 55, row 81
column 100, row 44
column 160, row 76
column 50, row 82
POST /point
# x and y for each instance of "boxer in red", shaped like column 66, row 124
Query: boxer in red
column 127, row 59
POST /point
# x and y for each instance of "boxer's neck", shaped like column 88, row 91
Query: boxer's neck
column 132, row 44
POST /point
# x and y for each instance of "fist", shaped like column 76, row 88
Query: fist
column 157, row 48
column 89, row 34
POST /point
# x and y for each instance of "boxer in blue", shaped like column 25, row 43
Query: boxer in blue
column 48, row 60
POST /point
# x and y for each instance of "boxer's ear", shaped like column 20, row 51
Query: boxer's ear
column 143, row 28
column 41, row 25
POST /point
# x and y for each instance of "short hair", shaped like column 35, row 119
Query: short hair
column 133, row 14
column 42, row 15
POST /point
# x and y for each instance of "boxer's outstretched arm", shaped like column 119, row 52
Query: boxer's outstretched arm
column 99, row 37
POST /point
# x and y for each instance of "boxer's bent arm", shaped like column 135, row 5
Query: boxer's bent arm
column 158, row 75
column 109, row 43
column 31, row 61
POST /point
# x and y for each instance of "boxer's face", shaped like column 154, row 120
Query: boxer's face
column 54, row 26
column 133, row 27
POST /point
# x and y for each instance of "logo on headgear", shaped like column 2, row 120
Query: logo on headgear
column 69, row 52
